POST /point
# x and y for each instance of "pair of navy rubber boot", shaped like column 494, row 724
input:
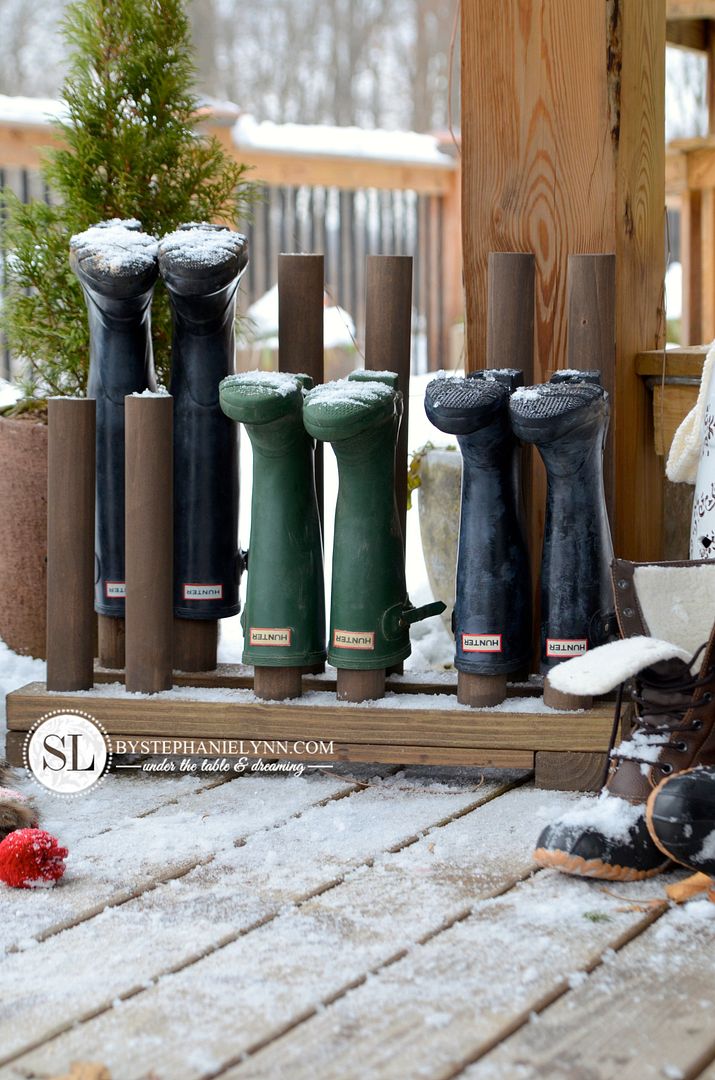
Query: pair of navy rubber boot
column 491, row 412
column 200, row 265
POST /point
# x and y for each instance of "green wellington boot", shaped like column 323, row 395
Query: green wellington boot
column 284, row 616
column 371, row 613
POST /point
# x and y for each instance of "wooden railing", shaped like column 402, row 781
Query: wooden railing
column 345, row 207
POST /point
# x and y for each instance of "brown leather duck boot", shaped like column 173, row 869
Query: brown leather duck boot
column 665, row 614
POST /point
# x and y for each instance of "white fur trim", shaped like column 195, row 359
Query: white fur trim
column 601, row 669
column 678, row 602
column 684, row 456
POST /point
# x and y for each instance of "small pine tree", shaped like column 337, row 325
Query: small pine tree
column 129, row 149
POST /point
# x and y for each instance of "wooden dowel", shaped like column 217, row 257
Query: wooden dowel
column 195, row 644
column 510, row 311
column 556, row 699
column 388, row 339
column 149, row 542
column 510, row 344
column 111, row 633
column 70, row 543
column 277, row 683
column 480, row 691
column 591, row 297
column 360, row 685
column 301, row 304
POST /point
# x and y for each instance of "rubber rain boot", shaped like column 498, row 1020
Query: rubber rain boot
column 567, row 422
column 201, row 266
column 117, row 267
column 284, row 617
column 672, row 723
column 492, row 612
column 370, row 612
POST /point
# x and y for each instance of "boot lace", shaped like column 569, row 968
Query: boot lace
column 654, row 718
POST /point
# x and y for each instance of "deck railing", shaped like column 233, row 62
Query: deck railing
column 346, row 207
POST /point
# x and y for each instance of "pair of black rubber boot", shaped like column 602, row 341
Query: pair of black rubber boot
column 284, row 616
column 567, row 419
column 200, row 264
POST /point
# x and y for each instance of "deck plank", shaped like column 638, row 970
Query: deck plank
column 146, row 850
column 381, row 908
column 655, row 1001
column 461, row 991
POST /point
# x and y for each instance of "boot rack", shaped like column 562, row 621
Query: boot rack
column 215, row 713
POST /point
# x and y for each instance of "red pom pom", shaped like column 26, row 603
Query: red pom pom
column 31, row 858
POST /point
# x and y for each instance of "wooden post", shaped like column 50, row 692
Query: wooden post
column 277, row 683
column 388, row 339
column 195, row 644
column 510, row 311
column 360, row 685
column 301, row 302
column 110, row 642
column 388, row 346
column 70, row 543
column 591, row 330
column 149, row 542
column 563, row 152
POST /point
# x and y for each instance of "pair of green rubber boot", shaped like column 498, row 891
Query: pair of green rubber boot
column 284, row 615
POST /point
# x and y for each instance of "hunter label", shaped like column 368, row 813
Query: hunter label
column 270, row 635
column 481, row 643
column 354, row 639
column 115, row 590
column 558, row 647
column 192, row 591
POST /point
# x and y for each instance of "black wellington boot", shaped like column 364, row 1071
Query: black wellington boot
column 568, row 422
column 117, row 267
column 201, row 266
column 492, row 612
column 681, row 819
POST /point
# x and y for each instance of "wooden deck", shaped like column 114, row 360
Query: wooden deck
column 356, row 922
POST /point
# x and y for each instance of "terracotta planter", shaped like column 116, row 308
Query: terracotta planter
column 23, row 535
column 439, row 500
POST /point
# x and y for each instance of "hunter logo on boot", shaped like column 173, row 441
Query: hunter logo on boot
column 115, row 590
column 192, row 591
column 353, row 639
column 560, row 647
column 270, row 635
column 481, row 642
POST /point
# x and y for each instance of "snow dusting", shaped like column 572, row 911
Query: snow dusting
column 116, row 246
column 611, row 816
column 199, row 244
column 279, row 382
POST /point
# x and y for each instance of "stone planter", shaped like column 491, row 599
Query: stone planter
column 23, row 534
column 439, row 498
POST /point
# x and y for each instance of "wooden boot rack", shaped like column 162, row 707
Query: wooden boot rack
column 215, row 713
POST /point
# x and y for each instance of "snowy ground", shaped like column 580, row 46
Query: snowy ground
column 362, row 923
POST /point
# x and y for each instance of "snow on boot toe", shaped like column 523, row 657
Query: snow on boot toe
column 608, row 838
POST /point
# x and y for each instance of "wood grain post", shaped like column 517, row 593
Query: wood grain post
column 111, row 634
column 70, row 543
column 360, row 685
column 388, row 338
column 558, row 173
column 557, row 699
column 388, row 345
column 510, row 344
column 277, row 683
column 510, row 311
column 591, row 292
column 149, row 543
column 480, row 691
column 195, row 644
column 301, row 306
column 557, row 771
